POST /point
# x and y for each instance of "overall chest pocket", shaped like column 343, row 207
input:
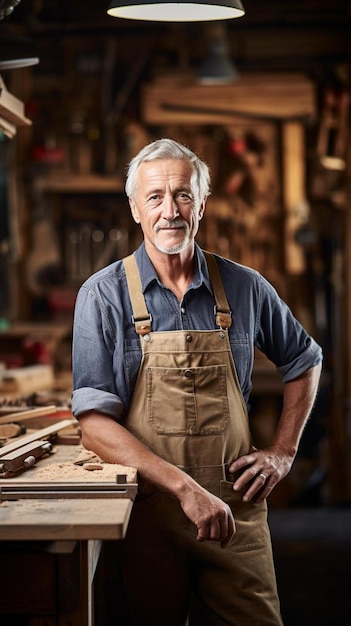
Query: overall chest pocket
column 187, row 401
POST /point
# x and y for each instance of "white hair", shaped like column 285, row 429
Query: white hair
column 170, row 149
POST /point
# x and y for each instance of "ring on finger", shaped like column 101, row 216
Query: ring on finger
column 263, row 476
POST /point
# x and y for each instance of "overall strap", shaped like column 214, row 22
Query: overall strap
column 141, row 318
column 222, row 310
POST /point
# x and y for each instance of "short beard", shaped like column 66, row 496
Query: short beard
column 176, row 248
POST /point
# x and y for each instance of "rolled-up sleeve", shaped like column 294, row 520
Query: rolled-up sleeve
column 308, row 357
column 94, row 383
column 282, row 337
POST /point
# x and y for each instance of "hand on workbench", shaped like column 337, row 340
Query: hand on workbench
column 212, row 517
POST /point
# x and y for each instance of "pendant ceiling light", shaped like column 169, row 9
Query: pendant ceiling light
column 7, row 6
column 217, row 68
column 13, row 64
column 184, row 11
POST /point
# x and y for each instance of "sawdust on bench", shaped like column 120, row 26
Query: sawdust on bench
column 86, row 467
column 76, row 473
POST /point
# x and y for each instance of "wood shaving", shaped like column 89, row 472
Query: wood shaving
column 90, row 467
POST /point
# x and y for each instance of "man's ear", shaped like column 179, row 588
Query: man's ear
column 134, row 211
column 202, row 210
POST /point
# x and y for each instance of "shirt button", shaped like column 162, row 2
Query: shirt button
column 188, row 373
column 182, row 310
column 189, row 338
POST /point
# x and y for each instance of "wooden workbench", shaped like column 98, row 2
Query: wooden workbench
column 50, row 546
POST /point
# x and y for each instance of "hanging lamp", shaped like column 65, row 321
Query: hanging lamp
column 217, row 67
column 184, row 11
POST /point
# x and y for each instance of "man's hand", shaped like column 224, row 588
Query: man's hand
column 115, row 444
column 212, row 517
column 263, row 470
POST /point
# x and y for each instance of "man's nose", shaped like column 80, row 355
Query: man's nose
column 169, row 208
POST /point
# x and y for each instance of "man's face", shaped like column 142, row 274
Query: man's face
column 165, row 205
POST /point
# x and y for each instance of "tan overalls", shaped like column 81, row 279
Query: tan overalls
column 188, row 408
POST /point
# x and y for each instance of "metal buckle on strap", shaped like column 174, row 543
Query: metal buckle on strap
column 142, row 325
column 223, row 318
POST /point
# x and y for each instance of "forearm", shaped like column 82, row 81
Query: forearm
column 298, row 400
column 263, row 469
column 115, row 444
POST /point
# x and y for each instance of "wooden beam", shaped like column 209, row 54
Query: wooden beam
column 179, row 100
column 294, row 194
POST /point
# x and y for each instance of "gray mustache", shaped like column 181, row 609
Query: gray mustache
column 170, row 224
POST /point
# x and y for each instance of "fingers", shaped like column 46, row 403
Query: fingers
column 252, row 476
column 221, row 529
column 211, row 515
column 262, row 471
column 230, row 532
column 242, row 461
column 258, row 490
column 210, row 532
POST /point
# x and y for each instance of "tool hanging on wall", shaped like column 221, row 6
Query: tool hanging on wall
column 89, row 249
column 116, row 247
column 44, row 263
column 332, row 140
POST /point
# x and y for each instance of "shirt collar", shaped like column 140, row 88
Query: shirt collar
column 148, row 273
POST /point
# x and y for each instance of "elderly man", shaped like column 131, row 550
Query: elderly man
column 163, row 350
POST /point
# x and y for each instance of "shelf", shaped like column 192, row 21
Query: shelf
column 90, row 183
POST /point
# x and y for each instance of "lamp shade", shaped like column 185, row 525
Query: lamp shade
column 217, row 68
column 7, row 6
column 184, row 11
column 12, row 64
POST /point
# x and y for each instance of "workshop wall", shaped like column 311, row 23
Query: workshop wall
column 105, row 87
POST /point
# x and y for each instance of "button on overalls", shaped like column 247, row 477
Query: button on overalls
column 188, row 408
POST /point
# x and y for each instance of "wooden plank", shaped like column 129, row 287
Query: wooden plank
column 64, row 519
column 23, row 380
column 7, row 127
column 271, row 96
column 295, row 204
column 39, row 434
column 18, row 416
column 46, row 331
column 11, row 108
column 81, row 183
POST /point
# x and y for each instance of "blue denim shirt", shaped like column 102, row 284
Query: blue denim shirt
column 107, row 351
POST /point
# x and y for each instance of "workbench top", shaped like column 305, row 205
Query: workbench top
column 64, row 519
column 102, row 513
